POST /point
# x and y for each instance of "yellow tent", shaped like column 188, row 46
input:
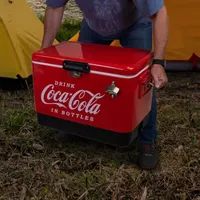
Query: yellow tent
column 183, row 50
column 20, row 35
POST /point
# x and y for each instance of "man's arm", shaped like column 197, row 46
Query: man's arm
column 156, row 10
column 160, row 32
column 52, row 21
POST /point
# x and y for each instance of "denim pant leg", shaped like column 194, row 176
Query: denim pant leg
column 140, row 36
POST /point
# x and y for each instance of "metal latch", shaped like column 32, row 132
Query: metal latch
column 75, row 69
column 112, row 90
column 74, row 74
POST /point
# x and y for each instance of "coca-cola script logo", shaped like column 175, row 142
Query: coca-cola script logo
column 73, row 101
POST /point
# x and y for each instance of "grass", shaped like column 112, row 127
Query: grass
column 33, row 166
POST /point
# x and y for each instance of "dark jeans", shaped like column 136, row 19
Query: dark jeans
column 138, row 36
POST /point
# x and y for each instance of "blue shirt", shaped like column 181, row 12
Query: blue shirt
column 110, row 17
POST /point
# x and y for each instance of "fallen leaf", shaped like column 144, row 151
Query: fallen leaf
column 38, row 147
column 144, row 195
column 23, row 193
column 178, row 149
column 165, row 107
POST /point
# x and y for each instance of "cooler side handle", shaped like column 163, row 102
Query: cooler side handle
column 145, row 83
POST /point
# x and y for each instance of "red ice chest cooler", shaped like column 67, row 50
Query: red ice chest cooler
column 95, row 91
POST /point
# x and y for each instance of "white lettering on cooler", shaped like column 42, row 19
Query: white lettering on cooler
column 74, row 115
column 64, row 84
column 75, row 100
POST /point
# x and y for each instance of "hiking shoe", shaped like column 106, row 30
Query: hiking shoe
column 148, row 157
column 63, row 136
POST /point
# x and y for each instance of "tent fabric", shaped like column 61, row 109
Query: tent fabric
column 20, row 35
column 184, row 36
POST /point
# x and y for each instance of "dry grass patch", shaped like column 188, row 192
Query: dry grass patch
column 33, row 166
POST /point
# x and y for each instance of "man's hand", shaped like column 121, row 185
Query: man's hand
column 159, row 76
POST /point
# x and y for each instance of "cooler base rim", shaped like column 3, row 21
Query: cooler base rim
column 86, row 131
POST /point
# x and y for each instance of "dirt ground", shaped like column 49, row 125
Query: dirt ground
column 34, row 166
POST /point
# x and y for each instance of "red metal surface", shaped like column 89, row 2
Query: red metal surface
column 84, row 99
column 125, row 61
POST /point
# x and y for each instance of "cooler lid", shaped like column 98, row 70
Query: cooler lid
column 103, row 58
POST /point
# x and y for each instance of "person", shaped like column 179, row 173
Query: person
column 134, row 23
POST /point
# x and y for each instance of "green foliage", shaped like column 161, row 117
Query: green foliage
column 67, row 29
